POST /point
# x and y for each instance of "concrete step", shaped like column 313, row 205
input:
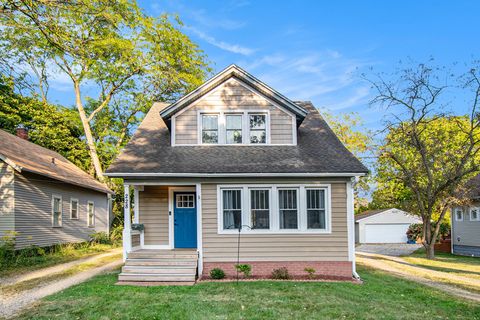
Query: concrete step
column 159, row 270
column 161, row 262
column 156, row 277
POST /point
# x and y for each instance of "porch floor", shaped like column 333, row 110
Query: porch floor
column 160, row 266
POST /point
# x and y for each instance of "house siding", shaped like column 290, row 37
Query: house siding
column 466, row 232
column 232, row 96
column 276, row 247
column 7, row 199
column 33, row 211
column 154, row 214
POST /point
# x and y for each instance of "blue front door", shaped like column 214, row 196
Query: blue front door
column 185, row 219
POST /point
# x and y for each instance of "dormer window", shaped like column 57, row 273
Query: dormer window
column 209, row 128
column 234, row 127
column 258, row 128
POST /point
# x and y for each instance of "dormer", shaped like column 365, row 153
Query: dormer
column 233, row 108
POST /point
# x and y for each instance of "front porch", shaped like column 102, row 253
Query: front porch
column 161, row 237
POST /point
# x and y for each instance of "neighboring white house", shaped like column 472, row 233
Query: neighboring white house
column 383, row 226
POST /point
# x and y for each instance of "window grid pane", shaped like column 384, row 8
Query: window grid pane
column 57, row 212
column 258, row 128
column 91, row 214
column 232, row 209
column 209, row 129
column 234, row 129
column 74, row 209
column 288, row 209
column 315, row 209
column 260, row 209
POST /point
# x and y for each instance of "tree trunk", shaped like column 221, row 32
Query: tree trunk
column 430, row 248
column 92, row 149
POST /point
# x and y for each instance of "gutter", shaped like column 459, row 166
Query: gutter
column 228, row 175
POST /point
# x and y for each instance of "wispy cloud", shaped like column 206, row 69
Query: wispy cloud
column 235, row 48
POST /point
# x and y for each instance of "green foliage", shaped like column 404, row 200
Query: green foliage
column 217, row 273
column 415, row 231
column 100, row 238
column 310, row 271
column 116, row 233
column 7, row 248
column 245, row 269
column 280, row 274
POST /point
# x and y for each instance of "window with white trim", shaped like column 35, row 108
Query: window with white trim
column 458, row 214
column 73, row 208
column 185, row 201
column 474, row 214
column 274, row 208
column 56, row 211
column 233, row 128
column 258, row 128
column 315, row 208
column 209, row 128
column 260, row 208
column 232, row 208
column 91, row 214
column 288, row 208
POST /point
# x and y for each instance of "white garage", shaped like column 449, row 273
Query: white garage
column 383, row 226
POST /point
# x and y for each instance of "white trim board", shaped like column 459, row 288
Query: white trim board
column 228, row 175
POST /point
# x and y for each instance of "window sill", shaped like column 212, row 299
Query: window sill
column 276, row 232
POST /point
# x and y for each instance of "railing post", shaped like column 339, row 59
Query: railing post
column 127, row 224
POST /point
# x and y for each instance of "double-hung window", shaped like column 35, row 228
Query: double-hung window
column 474, row 214
column 458, row 214
column 209, row 128
column 233, row 128
column 260, row 208
column 258, row 128
column 73, row 208
column 56, row 211
column 316, row 212
column 91, row 214
column 232, row 208
column 288, row 208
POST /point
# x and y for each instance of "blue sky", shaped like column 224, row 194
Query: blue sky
column 315, row 50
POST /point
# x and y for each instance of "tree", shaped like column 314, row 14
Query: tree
column 428, row 154
column 131, row 58
column 349, row 128
column 50, row 126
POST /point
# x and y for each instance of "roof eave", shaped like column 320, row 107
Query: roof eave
column 242, row 174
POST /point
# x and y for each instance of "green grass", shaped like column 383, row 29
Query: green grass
column 381, row 297
column 29, row 261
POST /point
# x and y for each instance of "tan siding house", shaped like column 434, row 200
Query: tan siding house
column 45, row 199
column 235, row 172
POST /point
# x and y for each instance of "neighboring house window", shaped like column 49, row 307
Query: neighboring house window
column 474, row 214
column 185, row 201
column 458, row 214
column 260, row 208
column 209, row 129
column 274, row 208
column 288, row 208
column 73, row 208
column 91, row 213
column 233, row 129
column 258, row 128
column 232, row 208
column 315, row 209
column 56, row 211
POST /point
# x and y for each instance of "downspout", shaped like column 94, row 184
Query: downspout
column 351, row 227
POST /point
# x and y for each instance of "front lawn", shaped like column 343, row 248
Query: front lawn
column 381, row 297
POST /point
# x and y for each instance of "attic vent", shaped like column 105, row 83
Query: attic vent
column 53, row 160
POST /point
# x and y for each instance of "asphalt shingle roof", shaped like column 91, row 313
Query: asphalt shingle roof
column 27, row 156
column 318, row 150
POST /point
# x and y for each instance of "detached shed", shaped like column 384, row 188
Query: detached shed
column 383, row 226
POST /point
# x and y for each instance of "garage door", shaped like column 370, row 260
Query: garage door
column 386, row 233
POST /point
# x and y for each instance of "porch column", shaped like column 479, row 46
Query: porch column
column 136, row 211
column 127, row 224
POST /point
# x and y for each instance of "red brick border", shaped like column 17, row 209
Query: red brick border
column 324, row 269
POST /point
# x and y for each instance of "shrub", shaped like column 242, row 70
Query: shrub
column 100, row 238
column 310, row 271
column 116, row 234
column 217, row 273
column 280, row 273
column 415, row 231
column 7, row 248
column 246, row 269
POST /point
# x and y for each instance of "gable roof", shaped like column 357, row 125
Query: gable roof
column 234, row 71
column 318, row 152
column 369, row 213
column 23, row 155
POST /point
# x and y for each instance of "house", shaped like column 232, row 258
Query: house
column 465, row 223
column 383, row 226
column 44, row 198
column 236, row 154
